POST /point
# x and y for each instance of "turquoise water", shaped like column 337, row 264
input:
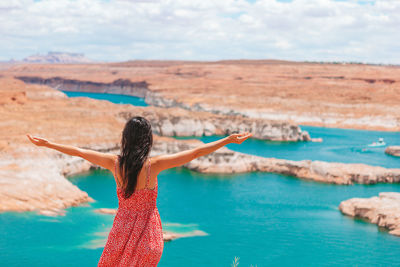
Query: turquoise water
column 339, row 145
column 114, row 98
column 264, row 219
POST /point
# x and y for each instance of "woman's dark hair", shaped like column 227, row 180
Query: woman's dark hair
column 136, row 143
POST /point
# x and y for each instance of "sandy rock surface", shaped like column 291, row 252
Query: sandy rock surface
column 227, row 161
column 34, row 178
column 393, row 150
column 383, row 210
column 333, row 95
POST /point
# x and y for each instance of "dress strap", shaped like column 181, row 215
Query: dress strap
column 148, row 174
column 115, row 171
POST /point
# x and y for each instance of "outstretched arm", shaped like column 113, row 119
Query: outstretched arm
column 164, row 162
column 105, row 160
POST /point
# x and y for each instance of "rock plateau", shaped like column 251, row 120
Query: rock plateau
column 331, row 95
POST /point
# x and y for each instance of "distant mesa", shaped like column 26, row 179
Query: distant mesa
column 58, row 57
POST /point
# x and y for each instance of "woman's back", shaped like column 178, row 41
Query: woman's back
column 144, row 196
column 135, row 238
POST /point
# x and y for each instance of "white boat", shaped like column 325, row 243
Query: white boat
column 377, row 144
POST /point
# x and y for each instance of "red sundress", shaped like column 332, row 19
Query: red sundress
column 136, row 237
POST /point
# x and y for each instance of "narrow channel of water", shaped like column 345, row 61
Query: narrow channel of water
column 114, row 98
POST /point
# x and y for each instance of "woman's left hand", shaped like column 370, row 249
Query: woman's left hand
column 37, row 140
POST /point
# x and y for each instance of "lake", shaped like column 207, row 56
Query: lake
column 264, row 219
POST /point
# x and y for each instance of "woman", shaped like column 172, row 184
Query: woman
column 136, row 238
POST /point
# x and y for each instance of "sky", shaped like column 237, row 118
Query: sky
column 366, row 31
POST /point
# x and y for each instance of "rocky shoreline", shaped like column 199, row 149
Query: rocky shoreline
column 225, row 160
column 177, row 119
column 157, row 99
column 383, row 210
column 180, row 122
column 60, row 193
column 393, row 150
column 37, row 182
column 33, row 178
column 327, row 95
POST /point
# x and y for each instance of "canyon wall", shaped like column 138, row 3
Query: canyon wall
column 179, row 122
column 176, row 122
column 354, row 96
column 119, row 86
column 33, row 178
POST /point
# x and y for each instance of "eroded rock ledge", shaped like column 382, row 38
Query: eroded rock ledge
column 225, row 160
column 180, row 122
column 175, row 120
column 330, row 95
column 37, row 183
column 33, row 178
column 27, row 186
column 393, row 150
column 383, row 210
column 118, row 86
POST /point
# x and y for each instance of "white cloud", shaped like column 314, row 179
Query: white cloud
column 203, row 29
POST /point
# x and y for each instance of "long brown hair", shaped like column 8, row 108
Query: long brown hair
column 136, row 143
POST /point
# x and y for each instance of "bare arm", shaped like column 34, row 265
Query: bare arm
column 164, row 162
column 105, row 160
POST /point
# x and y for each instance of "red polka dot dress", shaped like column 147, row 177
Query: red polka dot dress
column 135, row 238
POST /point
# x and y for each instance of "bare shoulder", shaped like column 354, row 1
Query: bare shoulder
column 155, row 160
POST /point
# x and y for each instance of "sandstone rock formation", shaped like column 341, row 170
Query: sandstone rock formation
column 36, row 182
column 393, row 150
column 33, row 178
column 118, row 86
column 225, row 160
column 333, row 95
column 383, row 210
column 180, row 122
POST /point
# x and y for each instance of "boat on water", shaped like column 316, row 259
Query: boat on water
column 378, row 144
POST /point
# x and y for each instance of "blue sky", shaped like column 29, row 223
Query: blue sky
column 119, row 30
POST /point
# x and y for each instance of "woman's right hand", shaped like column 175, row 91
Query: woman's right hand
column 239, row 138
